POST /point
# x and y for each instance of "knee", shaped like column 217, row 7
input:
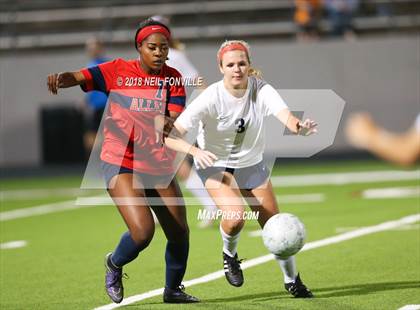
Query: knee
column 233, row 227
column 142, row 235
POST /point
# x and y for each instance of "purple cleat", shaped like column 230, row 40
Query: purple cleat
column 113, row 280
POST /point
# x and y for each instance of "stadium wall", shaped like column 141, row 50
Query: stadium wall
column 378, row 75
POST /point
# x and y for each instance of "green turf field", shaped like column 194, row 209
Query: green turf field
column 61, row 265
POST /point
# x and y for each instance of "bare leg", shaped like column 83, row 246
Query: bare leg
column 267, row 207
column 134, row 210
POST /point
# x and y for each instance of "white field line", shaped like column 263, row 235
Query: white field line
column 39, row 210
column 303, row 198
column 192, row 201
column 415, row 226
column 255, row 233
column 410, row 307
column 339, row 230
column 86, row 202
column 392, row 192
column 344, row 178
column 13, row 244
column 265, row 258
column 282, row 181
column 39, row 193
column 278, row 181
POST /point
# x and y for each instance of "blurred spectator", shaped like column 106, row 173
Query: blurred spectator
column 402, row 149
column 95, row 100
column 385, row 9
column 307, row 17
column 340, row 14
column 177, row 57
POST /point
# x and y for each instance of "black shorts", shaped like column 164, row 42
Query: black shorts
column 247, row 178
column 148, row 180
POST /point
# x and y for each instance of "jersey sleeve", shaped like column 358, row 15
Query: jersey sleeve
column 272, row 101
column 195, row 112
column 99, row 77
column 177, row 96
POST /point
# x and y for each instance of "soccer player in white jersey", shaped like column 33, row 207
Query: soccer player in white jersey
column 230, row 149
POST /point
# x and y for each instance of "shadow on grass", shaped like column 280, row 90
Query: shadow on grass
column 364, row 289
column 325, row 292
column 333, row 291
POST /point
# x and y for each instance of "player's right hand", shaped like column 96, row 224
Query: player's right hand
column 204, row 158
column 52, row 83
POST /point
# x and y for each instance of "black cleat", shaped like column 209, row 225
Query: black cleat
column 178, row 296
column 233, row 271
column 298, row 289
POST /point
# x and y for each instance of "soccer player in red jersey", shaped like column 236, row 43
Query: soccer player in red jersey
column 136, row 167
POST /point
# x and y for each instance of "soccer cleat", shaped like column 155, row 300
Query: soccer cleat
column 113, row 281
column 178, row 296
column 298, row 289
column 233, row 271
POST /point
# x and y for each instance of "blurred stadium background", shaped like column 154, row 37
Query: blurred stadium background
column 377, row 70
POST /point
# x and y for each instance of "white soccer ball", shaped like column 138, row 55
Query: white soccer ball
column 284, row 235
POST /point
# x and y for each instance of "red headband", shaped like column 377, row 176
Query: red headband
column 147, row 31
column 232, row 47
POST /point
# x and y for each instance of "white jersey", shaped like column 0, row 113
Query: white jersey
column 232, row 128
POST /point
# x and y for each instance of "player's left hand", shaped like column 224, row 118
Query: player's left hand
column 307, row 128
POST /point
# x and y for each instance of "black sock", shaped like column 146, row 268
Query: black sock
column 176, row 257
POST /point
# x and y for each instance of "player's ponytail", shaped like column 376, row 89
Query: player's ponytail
column 255, row 72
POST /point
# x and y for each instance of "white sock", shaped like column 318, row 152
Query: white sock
column 288, row 267
column 196, row 187
column 230, row 243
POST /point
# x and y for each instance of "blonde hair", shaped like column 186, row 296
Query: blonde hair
column 252, row 71
column 255, row 72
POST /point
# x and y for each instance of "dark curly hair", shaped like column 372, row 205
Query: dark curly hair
column 145, row 23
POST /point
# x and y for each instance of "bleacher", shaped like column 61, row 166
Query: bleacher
column 65, row 23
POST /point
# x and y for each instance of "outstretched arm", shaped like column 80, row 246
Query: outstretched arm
column 64, row 80
column 402, row 149
column 305, row 128
column 175, row 141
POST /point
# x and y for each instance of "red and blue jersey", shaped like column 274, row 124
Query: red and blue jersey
column 96, row 99
column 135, row 99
